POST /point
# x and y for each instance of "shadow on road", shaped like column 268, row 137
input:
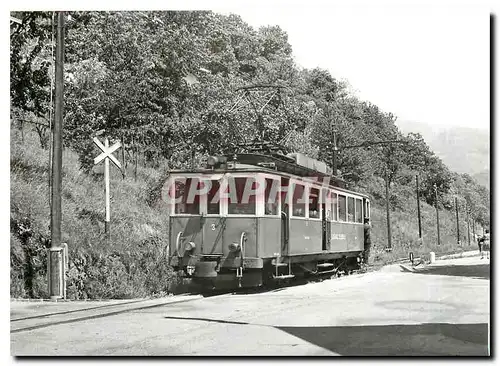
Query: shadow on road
column 481, row 271
column 431, row 339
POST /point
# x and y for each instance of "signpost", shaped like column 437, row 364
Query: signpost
column 107, row 155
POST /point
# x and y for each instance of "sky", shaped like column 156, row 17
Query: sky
column 425, row 61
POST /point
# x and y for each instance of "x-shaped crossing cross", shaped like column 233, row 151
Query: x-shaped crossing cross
column 107, row 152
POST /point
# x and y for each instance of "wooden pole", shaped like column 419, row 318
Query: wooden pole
column 468, row 224
column 106, row 183
column 437, row 214
column 458, row 226
column 389, row 236
column 474, row 229
column 51, row 110
column 335, row 152
column 418, row 212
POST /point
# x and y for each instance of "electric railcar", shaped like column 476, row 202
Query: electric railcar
column 247, row 219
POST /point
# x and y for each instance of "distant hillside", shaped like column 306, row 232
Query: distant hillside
column 463, row 150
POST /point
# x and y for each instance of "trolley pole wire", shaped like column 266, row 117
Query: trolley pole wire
column 368, row 144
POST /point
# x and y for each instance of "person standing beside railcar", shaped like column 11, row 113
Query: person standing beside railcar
column 486, row 245
column 368, row 242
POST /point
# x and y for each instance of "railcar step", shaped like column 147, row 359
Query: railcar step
column 283, row 277
column 323, row 265
column 279, row 264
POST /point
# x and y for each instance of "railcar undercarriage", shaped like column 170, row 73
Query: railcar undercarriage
column 218, row 272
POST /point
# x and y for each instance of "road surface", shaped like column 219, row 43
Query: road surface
column 443, row 309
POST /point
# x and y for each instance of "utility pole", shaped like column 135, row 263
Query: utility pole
column 368, row 144
column 474, row 229
column 437, row 214
column 55, row 262
column 389, row 238
column 458, row 226
column 468, row 223
column 418, row 211
column 51, row 108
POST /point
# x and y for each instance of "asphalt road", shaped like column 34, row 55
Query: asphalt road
column 443, row 309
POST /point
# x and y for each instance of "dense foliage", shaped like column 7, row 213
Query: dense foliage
column 173, row 86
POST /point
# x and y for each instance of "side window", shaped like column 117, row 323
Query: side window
column 335, row 205
column 271, row 197
column 314, row 209
column 367, row 210
column 285, row 195
column 359, row 211
column 239, row 202
column 342, row 202
column 213, row 198
column 187, row 197
column 298, row 201
column 350, row 209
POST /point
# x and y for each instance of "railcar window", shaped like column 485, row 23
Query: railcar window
column 327, row 203
column 298, row 202
column 359, row 211
column 314, row 203
column 350, row 209
column 187, row 199
column 271, row 197
column 335, row 206
column 342, row 208
column 285, row 198
column 241, row 202
column 367, row 210
column 213, row 198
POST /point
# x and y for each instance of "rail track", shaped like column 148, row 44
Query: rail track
column 23, row 324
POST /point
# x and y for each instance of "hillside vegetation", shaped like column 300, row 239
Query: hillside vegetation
column 174, row 88
column 463, row 150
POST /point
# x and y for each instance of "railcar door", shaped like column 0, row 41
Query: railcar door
column 326, row 228
column 285, row 217
column 326, row 217
column 285, row 232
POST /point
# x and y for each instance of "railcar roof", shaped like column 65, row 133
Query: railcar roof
column 244, row 168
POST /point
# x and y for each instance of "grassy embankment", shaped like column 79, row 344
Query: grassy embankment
column 130, row 264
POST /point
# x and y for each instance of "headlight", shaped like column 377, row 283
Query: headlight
column 234, row 247
column 189, row 246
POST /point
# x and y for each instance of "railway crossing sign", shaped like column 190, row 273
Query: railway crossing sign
column 107, row 152
column 107, row 155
